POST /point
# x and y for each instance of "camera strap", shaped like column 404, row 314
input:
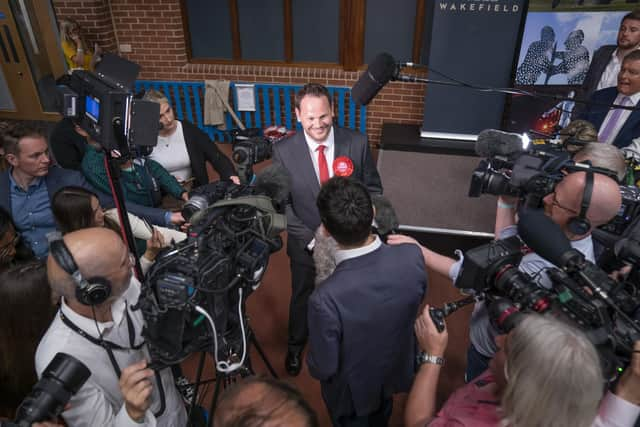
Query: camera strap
column 107, row 345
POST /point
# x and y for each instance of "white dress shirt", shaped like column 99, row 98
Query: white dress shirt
column 329, row 152
column 99, row 401
column 609, row 77
column 621, row 120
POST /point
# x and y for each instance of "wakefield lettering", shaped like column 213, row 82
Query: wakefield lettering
column 480, row 7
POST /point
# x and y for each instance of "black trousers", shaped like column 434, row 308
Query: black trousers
column 302, row 284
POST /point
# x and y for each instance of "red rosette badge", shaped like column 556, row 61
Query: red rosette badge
column 342, row 166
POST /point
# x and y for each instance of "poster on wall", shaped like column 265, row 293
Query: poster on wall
column 559, row 40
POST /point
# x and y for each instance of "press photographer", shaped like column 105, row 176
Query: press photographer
column 96, row 323
column 578, row 202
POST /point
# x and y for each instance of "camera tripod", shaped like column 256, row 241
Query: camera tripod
column 224, row 379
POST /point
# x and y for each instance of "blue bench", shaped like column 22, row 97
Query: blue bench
column 274, row 106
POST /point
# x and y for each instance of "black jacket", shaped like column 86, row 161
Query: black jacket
column 201, row 149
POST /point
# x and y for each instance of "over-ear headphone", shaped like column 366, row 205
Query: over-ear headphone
column 580, row 225
column 91, row 291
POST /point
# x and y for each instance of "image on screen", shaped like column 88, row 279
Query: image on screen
column 92, row 108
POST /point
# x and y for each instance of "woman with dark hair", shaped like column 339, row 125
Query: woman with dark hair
column 75, row 208
column 26, row 310
column 12, row 249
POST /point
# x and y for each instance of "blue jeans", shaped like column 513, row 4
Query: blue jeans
column 477, row 363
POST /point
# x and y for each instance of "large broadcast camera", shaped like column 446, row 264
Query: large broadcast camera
column 581, row 293
column 61, row 379
column 193, row 297
column 515, row 166
column 103, row 105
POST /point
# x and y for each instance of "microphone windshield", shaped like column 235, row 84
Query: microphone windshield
column 544, row 236
column 493, row 142
column 380, row 71
column 386, row 218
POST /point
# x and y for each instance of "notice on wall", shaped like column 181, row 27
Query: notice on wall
column 246, row 96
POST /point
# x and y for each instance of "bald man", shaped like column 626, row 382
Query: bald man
column 105, row 336
column 562, row 205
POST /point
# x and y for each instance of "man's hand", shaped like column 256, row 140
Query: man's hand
column 430, row 340
column 136, row 387
column 398, row 239
column 154, row 244
column 235, row 179
column 177, row 218
column 628, row 387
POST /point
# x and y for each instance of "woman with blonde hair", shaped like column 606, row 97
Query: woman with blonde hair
column 76, row 50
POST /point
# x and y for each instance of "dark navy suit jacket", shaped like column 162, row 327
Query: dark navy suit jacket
column 58, row 178
column 601, row 58
column 361, row 342
column 596, row 112
column 302, row 213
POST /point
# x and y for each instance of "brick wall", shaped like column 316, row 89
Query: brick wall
column 154, row 30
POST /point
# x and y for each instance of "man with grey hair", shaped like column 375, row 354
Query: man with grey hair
column 97, row 325
column 603, row 156
column 551, row 378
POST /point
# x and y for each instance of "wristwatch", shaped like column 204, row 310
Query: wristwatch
column 428, row 358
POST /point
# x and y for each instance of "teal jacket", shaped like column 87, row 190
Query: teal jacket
column 144, row 184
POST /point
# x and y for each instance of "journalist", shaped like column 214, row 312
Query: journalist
column 361, row 343
column 96, row 323
column 580, row 202
column 544, row 373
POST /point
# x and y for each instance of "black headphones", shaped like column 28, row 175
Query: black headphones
column 92, row 291
column 580, row 225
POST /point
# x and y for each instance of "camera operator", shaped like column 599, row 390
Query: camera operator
column 361, row 345
column 97, row 324
column 545, row 373
column 566, row 207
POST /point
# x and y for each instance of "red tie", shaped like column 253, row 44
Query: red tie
column 323, row 170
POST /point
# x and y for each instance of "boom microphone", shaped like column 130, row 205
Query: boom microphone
column 386, row 220
column 274, row 181
column 493, row 142
column 546, row 238
column 380, row 71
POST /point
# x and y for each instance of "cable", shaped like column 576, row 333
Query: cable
column 221, row 365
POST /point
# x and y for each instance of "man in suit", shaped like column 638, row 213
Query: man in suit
column 27, row 187
column 618, row 126
column 605, row 65
column 310, row 158
column 361, row 342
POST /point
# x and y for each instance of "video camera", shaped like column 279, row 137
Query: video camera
column 61, row 379
column 104, row 106
column 513, row 167
column 193, row 297
column 580, row 293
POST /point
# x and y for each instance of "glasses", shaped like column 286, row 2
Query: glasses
column 555, row 202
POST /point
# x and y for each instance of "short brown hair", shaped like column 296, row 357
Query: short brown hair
column 12, row 136
column 312, row 89
column 634, row 14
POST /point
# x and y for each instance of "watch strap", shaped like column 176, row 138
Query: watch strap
column 424, row 357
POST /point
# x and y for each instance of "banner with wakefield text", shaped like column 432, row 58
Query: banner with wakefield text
column 473, row 42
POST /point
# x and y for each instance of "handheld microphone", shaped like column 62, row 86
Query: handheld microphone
column 380, row 71
column 493, row 142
